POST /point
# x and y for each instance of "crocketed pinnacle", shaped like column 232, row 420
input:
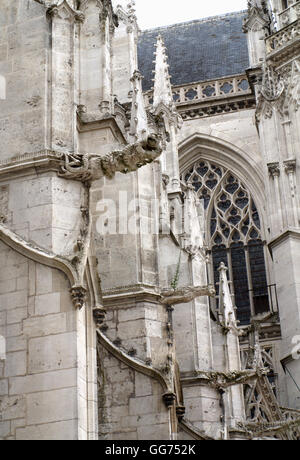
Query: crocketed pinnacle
column 162, row 84
column 139, row 120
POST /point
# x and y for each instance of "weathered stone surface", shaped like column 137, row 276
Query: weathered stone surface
column 52, row 353
column 70, row 95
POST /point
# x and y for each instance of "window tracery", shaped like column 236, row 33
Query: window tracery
column 233, row 234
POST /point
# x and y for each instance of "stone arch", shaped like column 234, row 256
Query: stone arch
column 217, row 169
column 230, row 157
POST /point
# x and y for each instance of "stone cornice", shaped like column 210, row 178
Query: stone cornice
column 214, row 108
column 288, row 233
column 31, row 162
column 87, row 123
column 123, row 296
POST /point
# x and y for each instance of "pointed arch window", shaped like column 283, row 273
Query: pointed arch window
column 233, row 235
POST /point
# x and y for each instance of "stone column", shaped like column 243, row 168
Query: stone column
column 274, row 171
column 290, row 169
column 106, row 105
column 62, row 135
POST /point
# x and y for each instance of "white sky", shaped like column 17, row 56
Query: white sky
column 156, row 13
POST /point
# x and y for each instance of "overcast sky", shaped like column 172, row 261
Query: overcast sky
column 156, row 13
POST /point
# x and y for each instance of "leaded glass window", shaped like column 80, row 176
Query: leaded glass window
column 233, row 234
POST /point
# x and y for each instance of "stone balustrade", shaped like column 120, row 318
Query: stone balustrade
column 283, row 37
column 212, row 89
column 289, row 15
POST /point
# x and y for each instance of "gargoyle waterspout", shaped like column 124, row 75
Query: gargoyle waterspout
column 89, row 167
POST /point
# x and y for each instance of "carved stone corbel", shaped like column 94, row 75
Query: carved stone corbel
column 290, row 166
column 78, row 294
column 169, row 398
column 99, row 315
column 180, row 412
column 274, row 169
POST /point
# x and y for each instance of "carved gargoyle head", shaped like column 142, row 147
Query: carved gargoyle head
column 152, row 145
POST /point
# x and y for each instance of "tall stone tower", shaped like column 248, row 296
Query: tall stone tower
column 128, row 227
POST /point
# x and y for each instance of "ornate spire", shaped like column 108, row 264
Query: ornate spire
column 162, row 85
column 139, row 120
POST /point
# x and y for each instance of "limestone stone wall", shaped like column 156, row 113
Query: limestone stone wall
column 38, row 379
column 130, row 403
column 24, row 41
column 49, row 375
column 45, row 209
column 48, row 379
column 125, row 232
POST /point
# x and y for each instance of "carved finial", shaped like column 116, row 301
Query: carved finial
column 222, row 267
column 257, row 10
column 272, row 84
column 162, row 86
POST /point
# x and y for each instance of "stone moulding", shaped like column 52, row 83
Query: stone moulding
column 42, row 160
column 132, row 362
column 53, row 7
column 37, row 254
column 222, row 380
column 288, row 233
column 193, row 431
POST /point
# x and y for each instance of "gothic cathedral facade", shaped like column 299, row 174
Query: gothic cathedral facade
column 149, row 223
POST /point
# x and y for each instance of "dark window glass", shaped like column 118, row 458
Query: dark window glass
column 234, row 226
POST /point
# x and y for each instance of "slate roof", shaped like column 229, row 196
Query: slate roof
column 199, row 50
